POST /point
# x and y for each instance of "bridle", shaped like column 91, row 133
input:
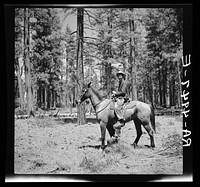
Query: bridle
column 97, row 104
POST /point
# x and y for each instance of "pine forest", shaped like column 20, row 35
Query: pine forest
column 53, row 60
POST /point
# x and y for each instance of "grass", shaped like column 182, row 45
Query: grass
column 119, row 148
column 41, row 122
column 90, row 163
column 117, row 158
column 173, row 145
column 63, row 167
column 94, row 163
column 37, row 164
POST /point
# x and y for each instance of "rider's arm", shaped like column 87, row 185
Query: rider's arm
column 123, row 90
column 120, row 94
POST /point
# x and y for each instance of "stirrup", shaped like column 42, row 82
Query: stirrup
column 121, row 120
column 116, row 137
column 117, row 125
column 117, row 133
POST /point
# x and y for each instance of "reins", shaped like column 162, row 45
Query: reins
column 98, row 103
column 102, row 108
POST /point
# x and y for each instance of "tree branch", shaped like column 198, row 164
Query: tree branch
column 90, row 12
column 90, row 43
column 96, row 57
column 73, row 32
column 90, row 16
column 90, row 28
column 92, row 38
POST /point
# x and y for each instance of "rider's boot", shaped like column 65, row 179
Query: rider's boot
column 118, row 127
column 119, row 124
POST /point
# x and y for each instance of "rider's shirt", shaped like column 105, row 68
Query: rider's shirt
column 122, row 89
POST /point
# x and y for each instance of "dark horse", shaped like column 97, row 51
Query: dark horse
column 139, row 112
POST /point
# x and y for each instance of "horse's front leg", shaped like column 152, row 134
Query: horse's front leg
column 103, row 134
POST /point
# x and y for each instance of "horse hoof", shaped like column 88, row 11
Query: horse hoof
column 134, row 145
column 150, row 146
column 103, row 147
column 112, row 141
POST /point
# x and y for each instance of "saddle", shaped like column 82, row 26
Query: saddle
column 126, row 102
column 112, row 105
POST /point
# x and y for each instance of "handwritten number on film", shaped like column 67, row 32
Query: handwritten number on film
column 185, row 96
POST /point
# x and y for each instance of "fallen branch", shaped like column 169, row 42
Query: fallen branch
column 55, row 115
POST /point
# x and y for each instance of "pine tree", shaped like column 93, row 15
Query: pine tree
column 163, row 42
column 79, row 65
column 46, row 59
column 19, row 16
column 27, row 62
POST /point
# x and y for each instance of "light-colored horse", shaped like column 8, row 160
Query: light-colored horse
column 141, row 113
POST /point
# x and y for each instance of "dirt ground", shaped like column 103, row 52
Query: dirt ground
column 52, row 146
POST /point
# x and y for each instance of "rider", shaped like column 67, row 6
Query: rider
column 120, row 98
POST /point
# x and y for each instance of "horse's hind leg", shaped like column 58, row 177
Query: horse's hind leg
column 150, row 132
column 139, row 131
column 111, row 130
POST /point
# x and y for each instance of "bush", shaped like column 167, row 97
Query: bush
column 96, row 164
column 173, row 145
column 89, row 163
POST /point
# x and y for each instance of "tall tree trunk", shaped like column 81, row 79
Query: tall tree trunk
column 53, row 98
column 41, row 96
column 34, row 96
column 173, row 92
column 20, row 86
column 108, row 78
column 79, row 65
column 48, row 98
column 179, row 83
column 149, row 88
column 27, row 63
column 70, row 102
column 143, row 93
column 39, row 101
column 170, row 93
column 164, row 85
column 153, row 93
column 132, row 59
column 44, row 97
column 179, row 61
column 90, row 72
column 56, row 98
column 156, row 96
column 67, row 92
column 109, row 53
column 160, row 86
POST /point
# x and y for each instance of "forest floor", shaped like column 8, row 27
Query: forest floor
column 52, row 146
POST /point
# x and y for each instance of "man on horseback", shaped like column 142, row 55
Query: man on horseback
column 120, row 96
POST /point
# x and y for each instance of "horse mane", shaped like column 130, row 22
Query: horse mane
column 96, row 93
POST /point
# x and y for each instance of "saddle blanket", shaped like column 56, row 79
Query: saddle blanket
column 126, row 105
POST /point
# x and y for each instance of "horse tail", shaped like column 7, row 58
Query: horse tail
column 152, row 118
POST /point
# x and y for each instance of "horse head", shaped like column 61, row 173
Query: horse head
column 85, row 93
